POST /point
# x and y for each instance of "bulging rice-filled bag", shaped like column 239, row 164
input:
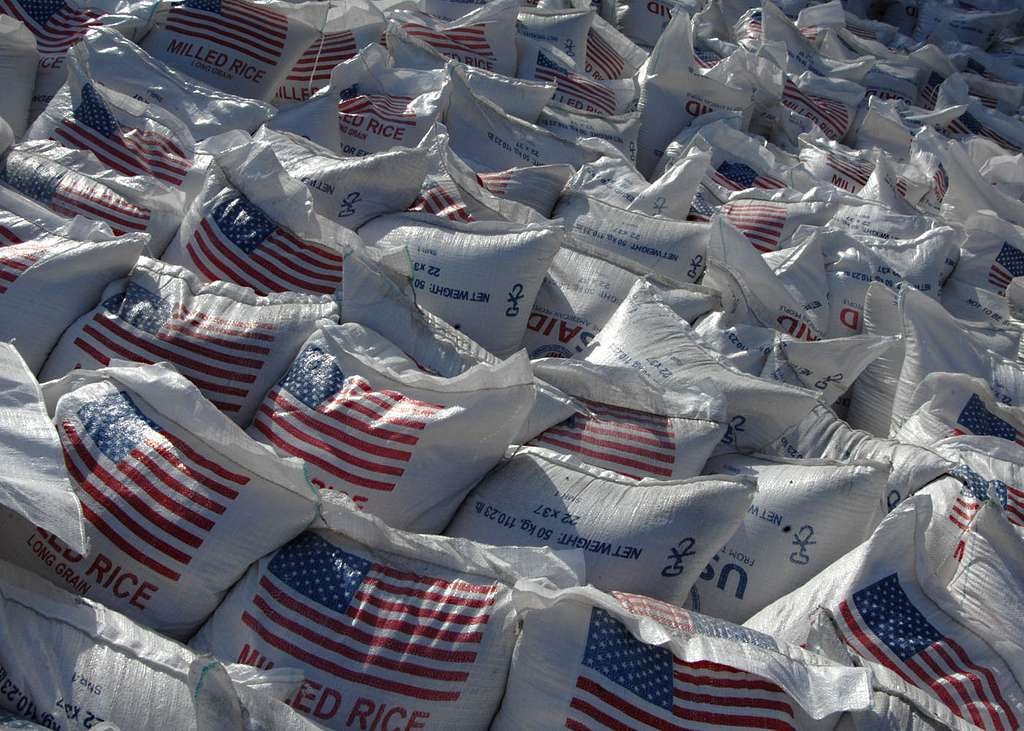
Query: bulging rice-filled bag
column 541, row 498
column 620, row 130
column 176, row 500
column 645, row 334
column 586, row 659
column 349, row 190
column 610, row 54
column 564, row 29
column 416, row 628
column 990, row 470
column 254, row 225
column 876, row 221
column 49, row 281
column 21, row 219
column 744, row 347
column 992, row 254
column 805, row 515
column 578, row 91
column 830, row 103
column 76, row 663
column 368, row 422
column 242, row 47
column 739, row 163
column 768, row 224
column 937, row 623
column 481, row 277
column 18, row 61
column 231, row 343
column 119, row 64
column 521, row 98
column 622, row 425
column 673, row 250
column 979, row 28
column 368, row 107
column 952, row 404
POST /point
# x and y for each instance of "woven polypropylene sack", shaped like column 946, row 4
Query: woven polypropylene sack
column 18, row 61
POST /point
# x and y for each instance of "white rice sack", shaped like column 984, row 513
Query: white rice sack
column 992, row 254
column 577, row 90
column 484, row 38
column 645, row 334
column 673, row 250
column 75, row 663
column 975, row 304
column 344, row 30
column 744, row 347
column 644, row 22
column 951, row 404
column 417, row 628
column 990, row 468
column 48, row 281
column 346, row 190
column 482, row 277
column 874, row 221
column 18, row 61
column 895, row 81
column 536, row 186
column 563, row 29
column 591, row 660
column 893, row 602
column 740, row 162
column 801, row 269
column 21, row 219
column 620, row 130
column 368, row 107
column 238, row 46
column 521, row 98
column 979, row 28
column 802, row 54
column 830, row 103
column 805, row 515
column 119, row 64
column 41, row 171
column 490, row 140
column 622, row 425
column 582, row 290
column 176, row 500
column 979, row 123
column 769, row 224
column 231, row 343
column 127, row 135
column 539, row 498
column 366, row 421
column 254, row 225
column 610, row 54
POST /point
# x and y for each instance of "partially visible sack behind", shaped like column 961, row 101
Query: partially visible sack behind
column 18, row 61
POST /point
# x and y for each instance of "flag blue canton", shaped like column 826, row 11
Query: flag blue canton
column 701, row 206
column 211, row 6
column 979, row 420
column 93, row 112
column 320, row 571
column 41, row 10
column 243, row 222
column 889, row 613
column 1012, row 259
column 643, row 670
column 738, row 173
column 971, row 122
column 313, row 377
column 548, row 63
column 35, row 178
column 116, row 425
column 143, row 309
column 978, row 488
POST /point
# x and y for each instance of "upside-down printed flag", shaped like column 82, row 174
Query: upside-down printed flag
column 830, row 115
column 881, row 623
column 975, row 418
column 92, row 127
column 603, row 61
column 237, row 242
column 247, row 28
column 439, row 201
column 70, row 194
column 316, row 64
column 760, row 221
column 976, row 490
column 55, row 24
column 221, row 357
column 574, row 89
column 146, row 490
column 633, row 443
column 15, row 258
column 341, row 425
column 465, row 44
column 736, row 175
column 1009, row 263
column 368, row 623
column 624, row 683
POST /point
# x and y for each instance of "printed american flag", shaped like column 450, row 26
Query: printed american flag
column 466, row 44
column 129, row 151
column 246, row 28
column 340, row 424
column 56, row 25
column 70, row 194
column 736, row 175
column 319, row 60
column 15, row 258
column 145, row 489
column 221, row 357
column 633, row 443
column 749, row 28
column 624, row 683
column 393, row 109
column 573, row 89
column 848, row 172
column 975, row 418
column 1009, row 263
column 700, row 209
column 968, row 124
column 368, row 623
column 760, row 221
column 439, row 201
column 495, row 183
column 603, row 61
column 830, row 115
column 8, row 237
column 881, row 623
column 237, row 242
column 976, row 491
column 861, row 32
column 705, row 59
